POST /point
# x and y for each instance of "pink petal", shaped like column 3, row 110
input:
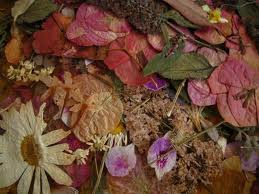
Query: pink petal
column 93, row 26
column 214, row 84
column 200, row 93
column 156, row 41
column 215, row 58
column 224, row 109
column 121, row 160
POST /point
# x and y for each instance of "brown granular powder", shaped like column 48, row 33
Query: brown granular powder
column 146, row 116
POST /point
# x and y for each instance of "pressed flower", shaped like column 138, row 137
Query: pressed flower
column 24, row 149
column 121, row 160
column 214, row 15
column 161, row 164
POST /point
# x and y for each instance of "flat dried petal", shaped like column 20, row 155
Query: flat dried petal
column 101, row 116
column 25, row 181
column 211, row 35
column 215, row 58
column 121, row 160
column 200, row 93
column 57, row 174
column 13, row 51
column 93, row 26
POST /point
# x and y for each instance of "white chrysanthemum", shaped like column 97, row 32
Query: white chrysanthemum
column 26, row 153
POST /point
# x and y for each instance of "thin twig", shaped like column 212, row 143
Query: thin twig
column 138, row 106
column 176, row 97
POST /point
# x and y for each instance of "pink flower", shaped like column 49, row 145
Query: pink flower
column 121, row 160
column 167, row 162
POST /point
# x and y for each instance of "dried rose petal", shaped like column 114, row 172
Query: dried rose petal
column 200, row 93
column 166, row 163
column 121, row 160
column 210, row 35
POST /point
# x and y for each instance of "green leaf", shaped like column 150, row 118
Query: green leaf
column 187, row 65
column 37, row 11
column 249, row 11
column 161, row 60
column 5, row 21
column 20, row 7
column 179, row 19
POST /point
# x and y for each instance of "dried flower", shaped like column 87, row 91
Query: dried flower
column 26, row 72
column 214, row 15
column 24, row 149
column 155, row 158
column 121, row 160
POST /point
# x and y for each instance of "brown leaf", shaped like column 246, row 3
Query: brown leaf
column 231, row 181
column 191, row 11
column 101, row 116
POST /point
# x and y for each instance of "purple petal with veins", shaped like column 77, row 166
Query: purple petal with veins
column 167, row 162
column 156, row 84
column 250, row 163
column 121, row 160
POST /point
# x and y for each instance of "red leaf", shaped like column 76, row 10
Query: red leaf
column 94, row 26
column 123, row 58
column 200, row 93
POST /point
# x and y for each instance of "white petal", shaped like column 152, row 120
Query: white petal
column 59, row 158
column 54, row 136
column 45, row 182
column 57, row 174
column 10, row 171
column 58, row 148
column 30, row 115
column 40, row 123
column 36, row 186
column 12, row 127
column 25, row 181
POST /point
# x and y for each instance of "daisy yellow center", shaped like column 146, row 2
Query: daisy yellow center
column 30, row 150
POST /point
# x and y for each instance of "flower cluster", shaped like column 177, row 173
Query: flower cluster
column 26, row 71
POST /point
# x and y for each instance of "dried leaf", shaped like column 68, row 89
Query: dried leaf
column 187, row 65
column 14, row 51
column 179, row 19
column 101, row 116
column 210, row 35
column 37, row 11
column 93, row 26
column 20, row 7
column 231, row 181
column 191, row 11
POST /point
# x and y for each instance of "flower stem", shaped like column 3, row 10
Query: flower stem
column 100, row 173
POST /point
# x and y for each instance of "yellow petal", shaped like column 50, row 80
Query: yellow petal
column 45, row 182
column 57, row 174
column 54, row 136
column 25, row 181
column 36, row 186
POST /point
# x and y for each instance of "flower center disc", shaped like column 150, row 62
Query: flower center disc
column 30, row 151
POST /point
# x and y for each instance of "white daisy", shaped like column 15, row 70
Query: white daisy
column 26, row 153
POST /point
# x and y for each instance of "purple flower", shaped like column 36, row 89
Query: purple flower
column 167, row 162
column 251, row 162
column 156, row 84
column 121, row 160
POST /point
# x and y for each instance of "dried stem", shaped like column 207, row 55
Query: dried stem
column 176, row 97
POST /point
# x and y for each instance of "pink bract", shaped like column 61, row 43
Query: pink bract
column 93, row 26
column 121, row 160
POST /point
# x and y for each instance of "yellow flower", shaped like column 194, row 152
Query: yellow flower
column 214, row 16
column 24, row 149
